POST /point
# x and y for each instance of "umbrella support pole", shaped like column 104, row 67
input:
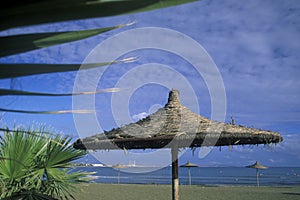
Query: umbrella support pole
column 175, row 180
column 257, row 178
column 118, row 176
column 190, row 179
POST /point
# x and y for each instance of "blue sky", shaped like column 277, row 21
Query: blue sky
column 254, row 44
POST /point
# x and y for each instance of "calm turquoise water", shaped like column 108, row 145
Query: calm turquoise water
column 201, row 176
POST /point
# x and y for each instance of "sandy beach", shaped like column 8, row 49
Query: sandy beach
column 162, row 192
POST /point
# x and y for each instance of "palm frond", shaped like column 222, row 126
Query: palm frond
column 18, row 13
column 6, row 92
column 60, row 156
column 15, row 44
column 31, row 166
column 48, row 112
column 16, row 70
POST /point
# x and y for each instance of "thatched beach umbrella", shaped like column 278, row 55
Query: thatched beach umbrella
column 189, row 165
column 119, row 166
column 175, row 126
column 257, row 166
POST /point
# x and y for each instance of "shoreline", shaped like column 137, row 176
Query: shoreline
column 200, row 176
column 204, row 192
column 202, row 185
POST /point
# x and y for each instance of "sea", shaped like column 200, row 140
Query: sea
column 207, row 176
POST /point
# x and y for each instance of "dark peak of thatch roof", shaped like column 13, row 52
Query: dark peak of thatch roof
column 257, row 165
column 189, row 164
column 176, row 121
column 173, row 100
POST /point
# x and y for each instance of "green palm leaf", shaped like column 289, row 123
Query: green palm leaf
column 47, row 11
column 14, row 44
column 6, row 92
column 48, row 112
column 16, row 155
column 17, row 70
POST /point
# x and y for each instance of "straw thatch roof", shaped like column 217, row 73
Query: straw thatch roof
column 175, row 123
column 257, row 165
column 119, row 166
column 189, row 164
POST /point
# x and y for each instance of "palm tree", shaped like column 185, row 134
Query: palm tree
column 35, row 165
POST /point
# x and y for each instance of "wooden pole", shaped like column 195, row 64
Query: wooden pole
column 257, row 178
column 175, row 180
column 190, row 179
column 119, row 176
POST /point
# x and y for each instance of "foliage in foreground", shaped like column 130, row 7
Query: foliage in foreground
column 37, row 165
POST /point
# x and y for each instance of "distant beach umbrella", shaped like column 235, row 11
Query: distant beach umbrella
column 189, row 165
column 175, row 126
column 119, row 166
column 257, row 166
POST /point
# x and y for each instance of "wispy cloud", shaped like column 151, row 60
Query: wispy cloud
column 290, row 145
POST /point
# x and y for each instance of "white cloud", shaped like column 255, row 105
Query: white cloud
column 139, row 116
column 290, row 145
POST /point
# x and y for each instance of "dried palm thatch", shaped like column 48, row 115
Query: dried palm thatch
column 174, row 123
column 189, row 165
column 175, row 126
column 257, row 166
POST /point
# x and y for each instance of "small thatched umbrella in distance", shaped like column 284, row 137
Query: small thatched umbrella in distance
column 189, row 165
column 119, row 166
column 257, row 166
column 175, row 126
